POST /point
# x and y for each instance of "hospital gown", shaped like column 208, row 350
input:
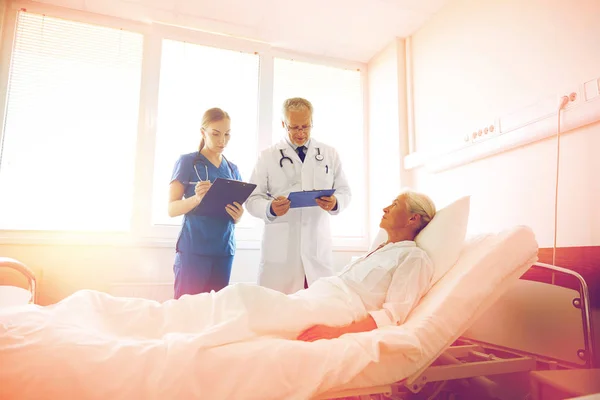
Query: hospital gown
column 391, row 281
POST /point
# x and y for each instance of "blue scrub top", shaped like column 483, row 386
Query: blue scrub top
column 200, row 234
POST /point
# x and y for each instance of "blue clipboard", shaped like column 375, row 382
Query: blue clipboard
column 307, row 198
column 221, row 193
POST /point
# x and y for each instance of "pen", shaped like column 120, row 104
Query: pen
column 190, row 183
column 327, row 169
column 270, row 195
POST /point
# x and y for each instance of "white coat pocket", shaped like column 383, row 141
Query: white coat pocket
column 275, row 242
column 323, row 177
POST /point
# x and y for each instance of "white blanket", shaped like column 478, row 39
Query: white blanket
column 92, row 345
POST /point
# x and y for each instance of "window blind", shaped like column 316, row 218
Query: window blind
column 70, row 128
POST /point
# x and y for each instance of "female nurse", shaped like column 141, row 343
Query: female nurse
column 206, row 245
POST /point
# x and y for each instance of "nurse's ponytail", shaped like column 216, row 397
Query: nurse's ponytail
column 211, row 115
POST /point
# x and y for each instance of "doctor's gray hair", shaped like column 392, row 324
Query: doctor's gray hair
column 419, row 203
column 295, row 104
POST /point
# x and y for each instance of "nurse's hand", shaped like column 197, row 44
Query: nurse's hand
column 280, row 205
column 235, row 211
column 327, row 203
column 201, row 189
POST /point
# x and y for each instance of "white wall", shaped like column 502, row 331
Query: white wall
column 477, row 60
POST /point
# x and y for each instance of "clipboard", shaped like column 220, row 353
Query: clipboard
column 307, row 198
column 221, row 193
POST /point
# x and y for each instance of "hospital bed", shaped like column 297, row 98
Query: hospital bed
column 476, row 330
column 542, row 321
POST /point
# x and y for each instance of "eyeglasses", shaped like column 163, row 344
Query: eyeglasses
column 296, row 129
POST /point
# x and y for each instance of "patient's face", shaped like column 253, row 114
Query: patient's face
column 396, row 215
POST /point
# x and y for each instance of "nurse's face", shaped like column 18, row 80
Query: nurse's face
column 298, row 125
column 216, row 135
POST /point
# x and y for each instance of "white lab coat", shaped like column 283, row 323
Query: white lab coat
column 298, row 242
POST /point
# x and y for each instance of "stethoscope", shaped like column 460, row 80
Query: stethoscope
column 201, row 161
column 318, row 157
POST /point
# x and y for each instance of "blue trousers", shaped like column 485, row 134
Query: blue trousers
column 195, row 273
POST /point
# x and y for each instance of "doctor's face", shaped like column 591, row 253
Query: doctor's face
column 396, row 216
column 298, row 125
column 216, row 135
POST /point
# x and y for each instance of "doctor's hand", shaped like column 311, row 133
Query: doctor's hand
column 327, row 203
column 321, row 332
column 235, row 211
column 201, row 189
column 280, row 206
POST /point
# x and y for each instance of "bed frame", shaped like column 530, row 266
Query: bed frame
column 492, row 363
column 12, row 264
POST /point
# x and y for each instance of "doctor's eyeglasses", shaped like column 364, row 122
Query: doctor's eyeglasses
column 296, row 129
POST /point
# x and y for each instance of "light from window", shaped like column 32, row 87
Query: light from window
column 70, row 126
column 337, row 97
column 194, row 78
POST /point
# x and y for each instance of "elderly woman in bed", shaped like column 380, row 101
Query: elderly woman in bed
column 376, row 290
column 390, row 280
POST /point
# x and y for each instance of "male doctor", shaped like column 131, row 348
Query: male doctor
column 296, row 245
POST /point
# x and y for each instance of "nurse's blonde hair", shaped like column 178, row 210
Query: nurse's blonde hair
column 211, row 115
column 295, row 104
column 419, row 203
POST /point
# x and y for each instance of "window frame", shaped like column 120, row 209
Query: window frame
column 142, row 232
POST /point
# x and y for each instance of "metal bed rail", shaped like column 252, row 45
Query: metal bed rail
column 10, row 263
column 583, row 303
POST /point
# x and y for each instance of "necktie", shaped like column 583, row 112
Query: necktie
column 300, row 151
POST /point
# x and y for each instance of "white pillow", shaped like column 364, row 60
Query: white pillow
column 443, row 238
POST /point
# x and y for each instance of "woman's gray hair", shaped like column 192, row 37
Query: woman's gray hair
column 295, row 104
column 419, row 203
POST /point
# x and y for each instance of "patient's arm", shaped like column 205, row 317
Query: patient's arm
column 410, row 282
column 331, row 332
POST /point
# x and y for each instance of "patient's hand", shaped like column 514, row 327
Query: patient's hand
column 320, row 332
column 331, row 332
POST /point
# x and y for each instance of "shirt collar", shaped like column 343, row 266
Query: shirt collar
column 293, row 146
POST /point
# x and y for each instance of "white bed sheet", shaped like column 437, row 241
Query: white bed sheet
column 53, row 355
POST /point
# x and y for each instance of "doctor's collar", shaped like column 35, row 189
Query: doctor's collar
column 288, row 141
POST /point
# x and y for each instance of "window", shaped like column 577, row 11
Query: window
column 94, row 118
column 337, row 97
column 194, row 78
column 68, row 144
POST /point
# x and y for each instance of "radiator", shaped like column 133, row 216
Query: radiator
column 159, row 291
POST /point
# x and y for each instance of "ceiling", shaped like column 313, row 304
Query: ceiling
column 353, row 30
